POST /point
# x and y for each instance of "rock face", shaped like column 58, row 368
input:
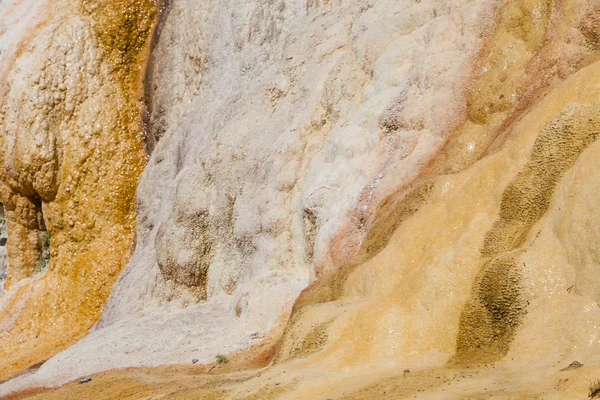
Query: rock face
column 279, row 128
column 373, row 185
column 71, row 152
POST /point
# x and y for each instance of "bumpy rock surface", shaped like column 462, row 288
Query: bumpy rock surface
column 71, row 151
column 278, row 129
column 373, row 186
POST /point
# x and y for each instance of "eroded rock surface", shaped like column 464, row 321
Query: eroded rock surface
column 279, row 128
column 374, row 186
column 3, row 240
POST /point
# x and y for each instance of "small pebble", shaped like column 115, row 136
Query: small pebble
column 194, row 361
column 85, row 379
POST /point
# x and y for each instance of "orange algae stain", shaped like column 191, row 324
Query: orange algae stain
column 91, row 218
column 489, row 114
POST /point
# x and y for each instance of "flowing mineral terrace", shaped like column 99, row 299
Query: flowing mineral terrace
column 349, row 200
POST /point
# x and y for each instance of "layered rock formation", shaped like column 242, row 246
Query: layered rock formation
column 372, row 187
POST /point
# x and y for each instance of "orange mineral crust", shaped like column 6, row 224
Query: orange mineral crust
column 71, row 154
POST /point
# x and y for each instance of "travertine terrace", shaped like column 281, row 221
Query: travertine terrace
column 355, row 199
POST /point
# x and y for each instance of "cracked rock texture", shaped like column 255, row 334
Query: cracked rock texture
column 369, row 186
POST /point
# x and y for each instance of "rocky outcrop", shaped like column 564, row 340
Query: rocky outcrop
column 374, row 186
column 3, row 240
column 279, row 128
column 446, row 306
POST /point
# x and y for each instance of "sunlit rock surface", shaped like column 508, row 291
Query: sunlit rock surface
column 71, row 152
column 398, row 199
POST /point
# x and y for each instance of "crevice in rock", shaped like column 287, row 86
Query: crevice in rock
column 151, row 136
column 27, row 241
column 44, row 245
column 3, row 241
column 309, row 219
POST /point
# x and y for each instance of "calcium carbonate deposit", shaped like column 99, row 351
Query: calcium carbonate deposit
column 307, row 199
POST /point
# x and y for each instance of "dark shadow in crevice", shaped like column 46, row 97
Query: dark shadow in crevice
column 149, row 132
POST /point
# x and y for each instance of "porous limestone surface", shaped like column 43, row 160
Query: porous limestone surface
column 71, row 151
column 394, row 332
column 278, row 128
column 272, row 125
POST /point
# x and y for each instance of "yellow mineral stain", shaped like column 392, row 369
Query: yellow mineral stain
column 498, row 302
column 89, row 212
